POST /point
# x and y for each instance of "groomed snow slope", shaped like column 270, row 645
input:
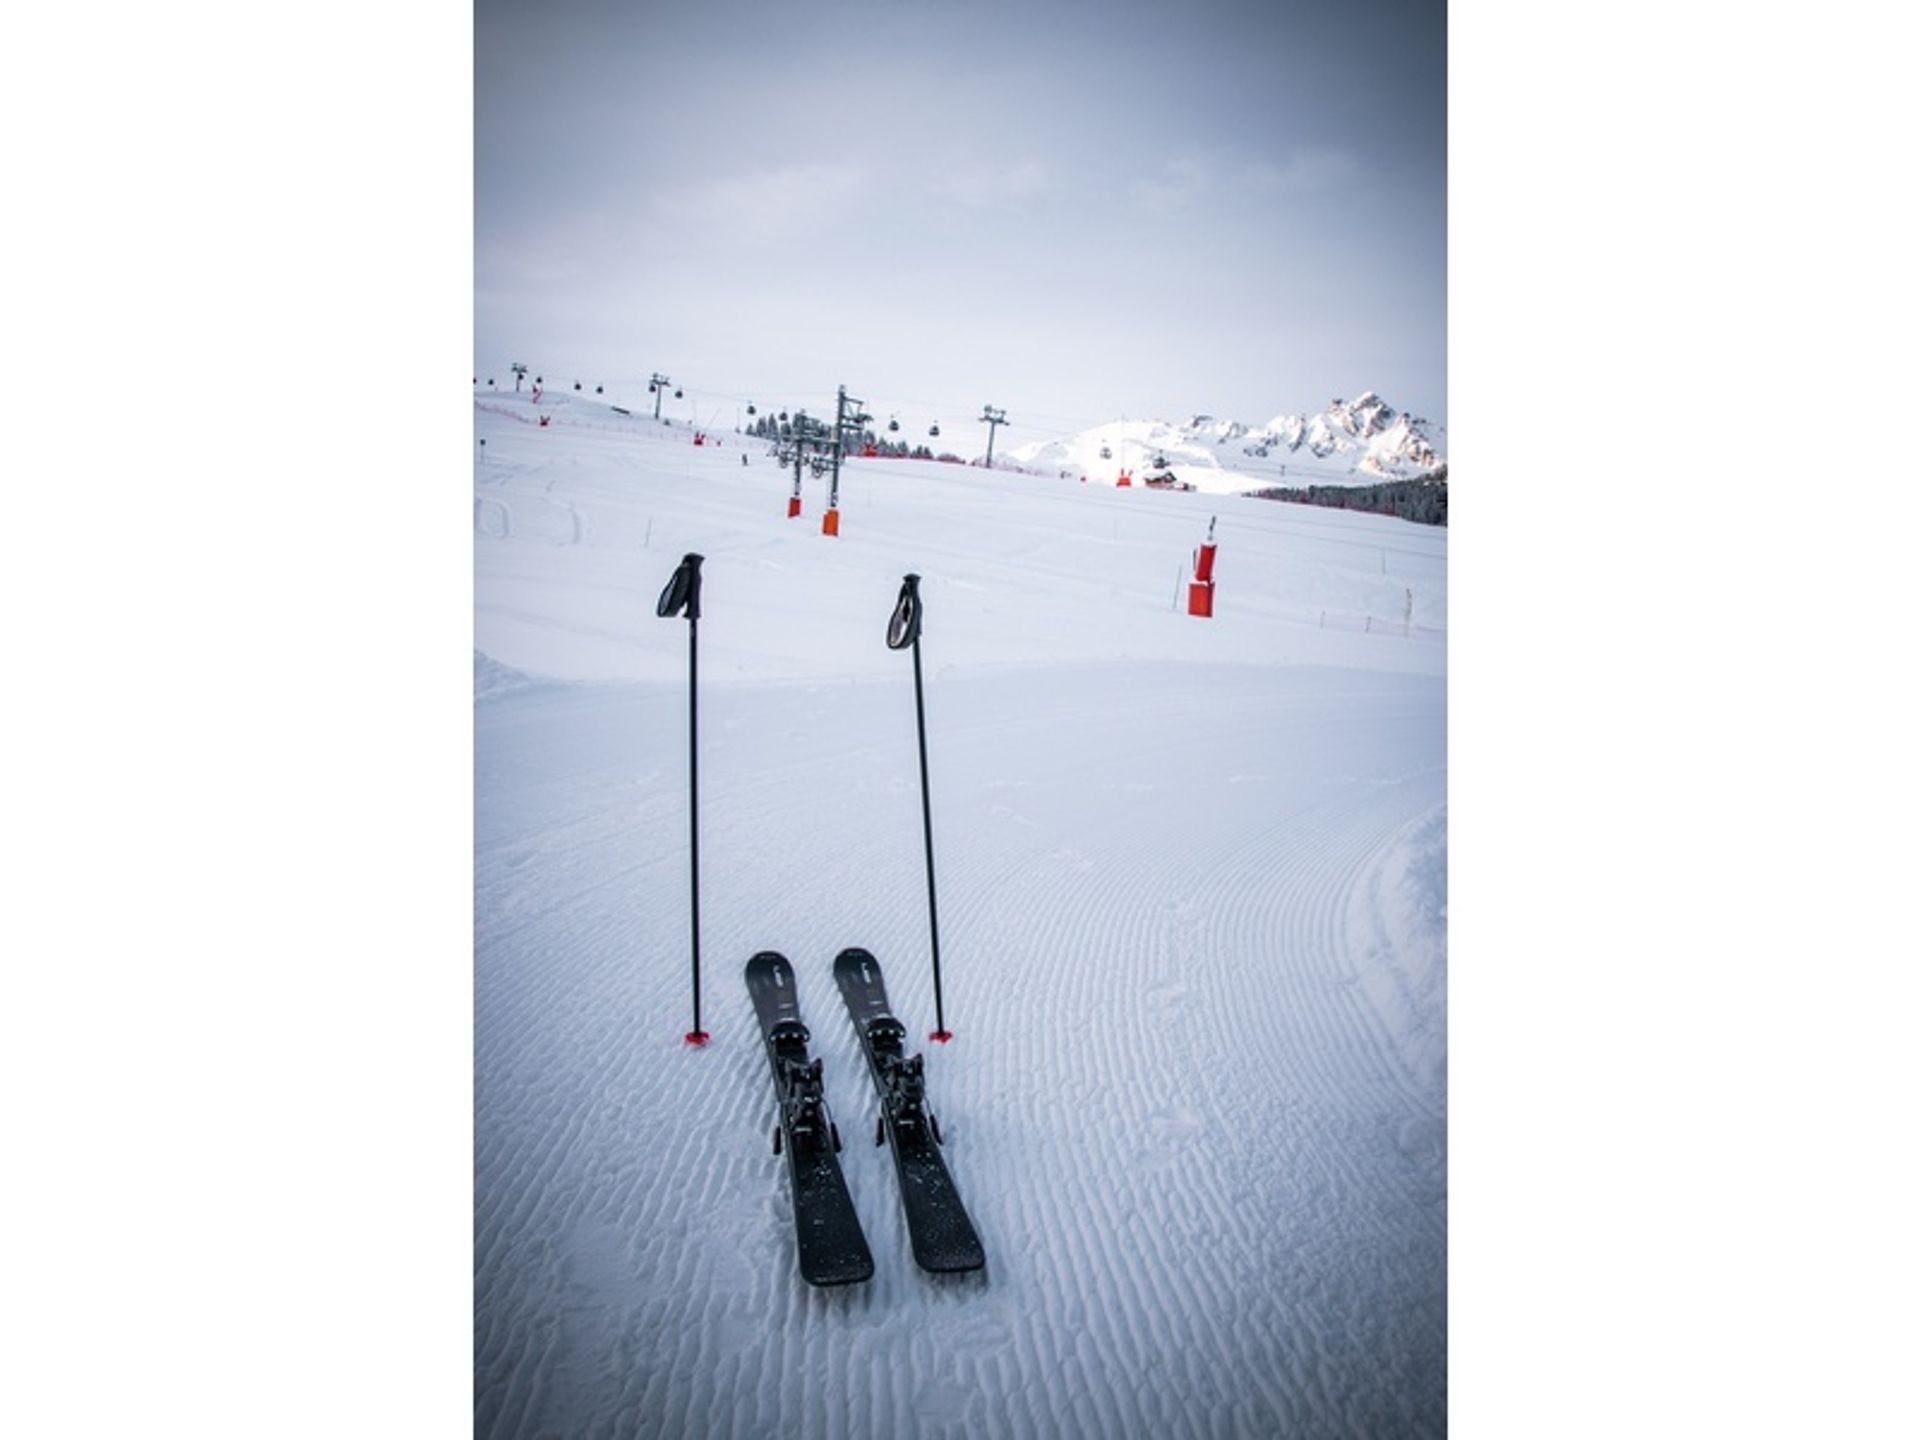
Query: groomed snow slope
column 1192, row 882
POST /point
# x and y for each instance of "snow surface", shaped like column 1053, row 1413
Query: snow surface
column 1192, row 883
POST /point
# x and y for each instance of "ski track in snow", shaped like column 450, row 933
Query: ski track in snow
column 1193, row 952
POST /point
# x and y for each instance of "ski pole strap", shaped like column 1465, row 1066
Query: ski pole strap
column 904, row 628
column 683, row 591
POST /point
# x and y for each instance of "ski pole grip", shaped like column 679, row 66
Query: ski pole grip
column 683, row 591
column 904, row 628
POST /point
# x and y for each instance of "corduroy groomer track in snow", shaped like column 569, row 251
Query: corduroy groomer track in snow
column 1192, row 929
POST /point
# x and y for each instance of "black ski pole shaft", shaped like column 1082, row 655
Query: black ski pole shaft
column 926, row 817
column 903, row 633
column 682, row 596
column 693, row 807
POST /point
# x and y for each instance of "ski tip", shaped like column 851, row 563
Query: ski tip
column 942, row 1036
column 697, row 1038
column 768, row 964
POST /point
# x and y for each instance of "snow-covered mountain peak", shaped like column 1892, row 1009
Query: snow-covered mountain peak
column 1363, row 418
column 1351, row 442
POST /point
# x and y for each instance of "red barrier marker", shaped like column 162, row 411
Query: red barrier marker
column 1200, row 591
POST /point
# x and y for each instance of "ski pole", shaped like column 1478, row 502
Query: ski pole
column 903, row 630
column 683, row 594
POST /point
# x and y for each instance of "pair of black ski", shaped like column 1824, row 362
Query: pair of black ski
column 833, row 1248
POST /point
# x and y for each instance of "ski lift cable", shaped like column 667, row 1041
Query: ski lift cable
column 929, row 408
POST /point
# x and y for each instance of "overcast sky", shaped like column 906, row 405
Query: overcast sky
column 1073, row 211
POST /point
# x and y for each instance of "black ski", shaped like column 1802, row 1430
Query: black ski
column 833, row 1251
column 943, row 1236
